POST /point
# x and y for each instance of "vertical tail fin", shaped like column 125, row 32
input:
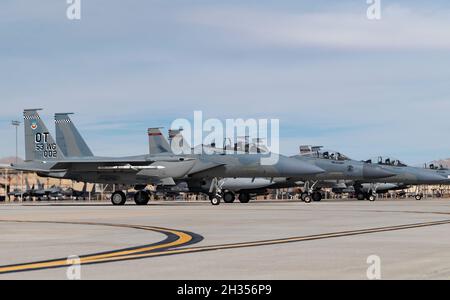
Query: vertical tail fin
column 157, row 142
column 84, row 188
column 39, row 143
column 177, row 141
column 69, row 138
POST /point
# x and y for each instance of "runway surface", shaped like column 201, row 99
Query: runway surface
column 259, row 240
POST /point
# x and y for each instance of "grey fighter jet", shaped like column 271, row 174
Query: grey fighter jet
column 44, row 157
column 208, row 169
column 404, row 175
column 336, row 166
column 83, row 194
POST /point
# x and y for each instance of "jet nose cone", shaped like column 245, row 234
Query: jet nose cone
column 433, row 178
column 293, row 167
column 375, row 172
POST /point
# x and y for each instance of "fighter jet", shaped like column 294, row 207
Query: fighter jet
column 17, row 194
column 29, row 192
column 336, row 166
column 209, row 169
column 404, row 176
column 43, row 156
column 83, row 194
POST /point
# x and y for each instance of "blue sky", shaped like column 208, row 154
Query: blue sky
column 331, row 76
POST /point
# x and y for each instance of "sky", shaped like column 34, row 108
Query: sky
column 331, row 76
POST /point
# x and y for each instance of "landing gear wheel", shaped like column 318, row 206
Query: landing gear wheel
column 141, row 198
column 307, row 199
column 303, row 195
column 360, row 196
column 244, row 197
column 317, row 196
column 118, row 198
column 229, row 197
column 215, row 199
column 418, row 197
column 371, row 198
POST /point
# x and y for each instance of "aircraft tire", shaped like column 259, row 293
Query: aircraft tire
column 215, row 200
column 371, row 198
column 244, row 197
column 118, row 198
column 229, row 197
column 141, row 198
column 360, row 196
column 303, row 195
column 317, row 196
column 418, row 197
column 307, row 199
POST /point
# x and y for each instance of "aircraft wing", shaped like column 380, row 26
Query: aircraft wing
column 36, row 169
column 137, row 163
column 204, row 167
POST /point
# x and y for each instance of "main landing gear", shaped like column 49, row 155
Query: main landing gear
column 230, row 197
column 361, row 196
column 366, row 196
column 244, row 197
column 118, row 198
column 309, row 197
column 140, row 198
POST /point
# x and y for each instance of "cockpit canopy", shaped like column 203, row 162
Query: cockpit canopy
column 433, row 166
column 318, row 152
column 257, row 145
column 386, row 161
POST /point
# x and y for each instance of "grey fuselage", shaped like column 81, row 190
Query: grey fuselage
column 249, row 165
column 333, row 170
column 411, row 176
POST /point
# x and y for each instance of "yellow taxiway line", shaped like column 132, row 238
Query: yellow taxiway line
column 271, row 242
column 184, row 238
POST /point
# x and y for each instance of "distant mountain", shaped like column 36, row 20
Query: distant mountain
column 10, row 160
column 443, row 162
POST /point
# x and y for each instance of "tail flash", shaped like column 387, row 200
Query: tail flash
column 39, row 143
column 69, row 139
column 157, row 142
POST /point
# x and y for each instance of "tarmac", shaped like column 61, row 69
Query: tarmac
column 260, row 240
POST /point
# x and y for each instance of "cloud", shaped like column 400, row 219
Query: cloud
column 331, row 76
column 400, row 28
